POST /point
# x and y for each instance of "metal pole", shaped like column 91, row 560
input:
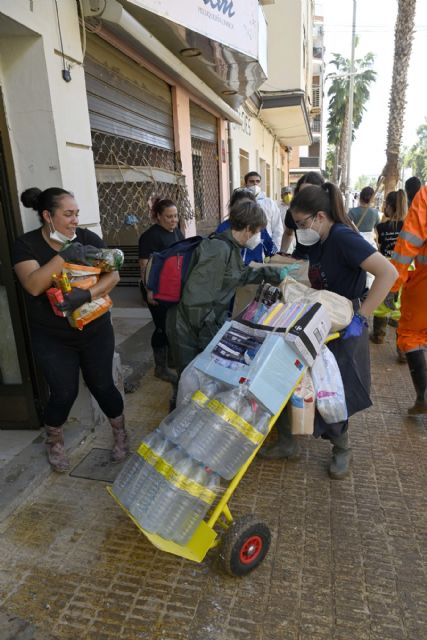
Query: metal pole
column 350, row 108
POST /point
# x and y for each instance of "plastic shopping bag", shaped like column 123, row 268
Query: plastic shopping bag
column 328, row 387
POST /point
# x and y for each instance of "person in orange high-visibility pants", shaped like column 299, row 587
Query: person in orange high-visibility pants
column 411, row 246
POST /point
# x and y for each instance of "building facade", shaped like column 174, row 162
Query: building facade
column 310, row 157
column 114, row 101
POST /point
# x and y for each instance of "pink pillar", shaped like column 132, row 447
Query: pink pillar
column 223, row 162
column 182, row 138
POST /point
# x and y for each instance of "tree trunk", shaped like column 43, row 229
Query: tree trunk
column 343, row 149
column 334, row 177
column 403, row 36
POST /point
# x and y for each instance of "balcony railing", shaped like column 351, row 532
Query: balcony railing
column 315, row 97
column 310, row 162
column 316, row 126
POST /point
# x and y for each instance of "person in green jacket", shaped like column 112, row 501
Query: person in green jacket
column 215, row 272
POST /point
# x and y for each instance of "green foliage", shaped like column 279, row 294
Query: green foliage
column 365, row 181
column 416, row 157
column 329, row 163
column 339, row 91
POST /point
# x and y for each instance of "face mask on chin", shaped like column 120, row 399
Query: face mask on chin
column 57, row 236
column 253, row 242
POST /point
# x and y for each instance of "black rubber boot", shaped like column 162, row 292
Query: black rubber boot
column 161, row 370
column 341, row 457
column 286, row 445
column 380, row 329
column 417, row 367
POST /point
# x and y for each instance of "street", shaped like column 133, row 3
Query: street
column 347, row 560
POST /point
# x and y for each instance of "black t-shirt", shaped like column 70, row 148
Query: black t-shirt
column 388, row 233
column 335, row 263
column 156, row 238
column 32, row 246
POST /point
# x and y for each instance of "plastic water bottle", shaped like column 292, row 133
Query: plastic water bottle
column 162, row 492
column 182, row 423
column 127, row 484
column 220, row 445
column 186, row 503
column 192, row 510
column 145, row 484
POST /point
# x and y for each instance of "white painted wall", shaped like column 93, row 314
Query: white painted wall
column 254, row 138
column 47, row 117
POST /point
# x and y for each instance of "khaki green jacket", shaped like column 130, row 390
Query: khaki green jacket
column 216, row 271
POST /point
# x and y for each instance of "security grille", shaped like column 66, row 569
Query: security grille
column 206, row 185
column 128, row 173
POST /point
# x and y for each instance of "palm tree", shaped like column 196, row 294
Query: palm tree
column 337, row 126
column 403, row 36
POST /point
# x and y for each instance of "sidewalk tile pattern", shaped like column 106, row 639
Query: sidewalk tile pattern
column 347, row 561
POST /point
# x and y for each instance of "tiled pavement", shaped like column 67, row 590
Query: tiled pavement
column 347, row 561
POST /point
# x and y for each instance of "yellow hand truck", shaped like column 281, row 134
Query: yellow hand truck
column 244, row 542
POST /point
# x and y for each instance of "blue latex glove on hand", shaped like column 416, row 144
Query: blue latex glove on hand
column 287, row 270
column 355, row 328
column 74, row 299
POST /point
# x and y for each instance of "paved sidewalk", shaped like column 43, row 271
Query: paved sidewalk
column 347, row 561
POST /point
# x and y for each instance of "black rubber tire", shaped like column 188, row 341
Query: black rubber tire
column 247, row 533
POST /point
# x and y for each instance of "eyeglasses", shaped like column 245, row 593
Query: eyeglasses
column 303, row 223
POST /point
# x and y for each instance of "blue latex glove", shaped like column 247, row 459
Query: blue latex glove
column 287, row 270
column 355, row 328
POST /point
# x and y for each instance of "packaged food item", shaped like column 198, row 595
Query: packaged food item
column 328, row 387
column 301, row 407
column 89, row 312
column 55, row 296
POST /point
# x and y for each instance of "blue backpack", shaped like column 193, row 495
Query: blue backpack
column 167, row 270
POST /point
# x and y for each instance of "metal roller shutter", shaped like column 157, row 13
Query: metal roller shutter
column 130, row 112
column 204, row 149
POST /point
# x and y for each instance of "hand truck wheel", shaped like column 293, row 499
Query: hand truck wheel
column 245, row 545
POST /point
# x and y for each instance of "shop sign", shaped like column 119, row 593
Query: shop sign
column 234, row 23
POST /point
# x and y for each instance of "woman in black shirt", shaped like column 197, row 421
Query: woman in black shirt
column 59, row 349
column 388, row 231
column 159, row 236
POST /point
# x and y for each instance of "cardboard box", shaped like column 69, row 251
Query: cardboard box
column 309, row 333
column 268, row 365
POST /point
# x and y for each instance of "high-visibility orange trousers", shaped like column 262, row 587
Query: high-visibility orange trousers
column 412, row 329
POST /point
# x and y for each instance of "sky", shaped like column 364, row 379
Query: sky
column 375, row 20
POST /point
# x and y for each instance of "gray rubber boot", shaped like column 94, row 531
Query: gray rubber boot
column 286, row 445
column 341, row 457
column 161, row 370
column 417, row 367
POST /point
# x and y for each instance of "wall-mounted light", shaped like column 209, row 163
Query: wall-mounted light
column 229, row 92
column 190, row 52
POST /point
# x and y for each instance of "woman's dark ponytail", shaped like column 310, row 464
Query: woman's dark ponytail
column 336, row 210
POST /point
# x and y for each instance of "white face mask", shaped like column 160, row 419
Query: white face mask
column 256, row 189
column 308, row 237
column 254, row 241
column 57, row 236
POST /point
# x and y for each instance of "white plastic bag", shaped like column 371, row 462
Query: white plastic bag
column 189, row 382
column 328, row 386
